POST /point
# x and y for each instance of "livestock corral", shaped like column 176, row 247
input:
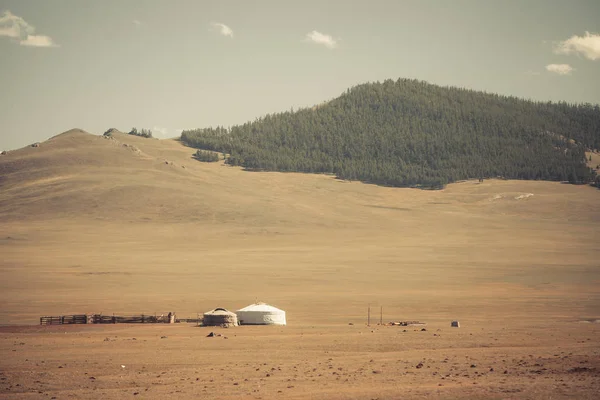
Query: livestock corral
column 108, row 319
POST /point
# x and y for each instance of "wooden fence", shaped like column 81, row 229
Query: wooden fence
column 64, row 320
column 189, row 320
column 164, row 318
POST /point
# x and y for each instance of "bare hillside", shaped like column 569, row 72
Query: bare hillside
column 125, row 177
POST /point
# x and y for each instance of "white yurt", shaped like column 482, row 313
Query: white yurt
column 261, row 314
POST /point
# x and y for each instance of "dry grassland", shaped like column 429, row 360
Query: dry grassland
column 132, row 225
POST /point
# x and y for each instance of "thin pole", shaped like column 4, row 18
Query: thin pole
column 381, row 316
column 369, row 316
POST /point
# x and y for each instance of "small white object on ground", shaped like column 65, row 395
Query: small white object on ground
column 524, row 196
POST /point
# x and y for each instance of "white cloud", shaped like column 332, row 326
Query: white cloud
column 158, row 131
column 38, row 41
column 560, row 69
column 222, row 28
column 15, row 27
column 137, row 22
column 321, row 38
column 587, row 45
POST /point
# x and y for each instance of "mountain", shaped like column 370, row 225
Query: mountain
column 411, row 133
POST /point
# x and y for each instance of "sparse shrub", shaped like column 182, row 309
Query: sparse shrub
column 146, row 133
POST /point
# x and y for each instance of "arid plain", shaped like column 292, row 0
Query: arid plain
column 128, row 225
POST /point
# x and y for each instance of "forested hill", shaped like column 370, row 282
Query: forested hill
column 411, row 133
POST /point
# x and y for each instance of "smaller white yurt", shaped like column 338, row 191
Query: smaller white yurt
column 219, row 317
column 261, row 314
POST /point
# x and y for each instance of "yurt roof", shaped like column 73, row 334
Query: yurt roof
column 261, row 307
column 219, row 311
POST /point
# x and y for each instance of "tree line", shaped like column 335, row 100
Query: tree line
column 147, row 133
column 411, row 133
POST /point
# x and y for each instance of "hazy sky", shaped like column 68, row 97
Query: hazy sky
column 172, row 65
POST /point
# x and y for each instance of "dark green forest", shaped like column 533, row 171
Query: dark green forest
column 412, row 133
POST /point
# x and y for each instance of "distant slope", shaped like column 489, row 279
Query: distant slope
column 411, row 133
column 80, row 174
column 124, row 179
column 77, row 176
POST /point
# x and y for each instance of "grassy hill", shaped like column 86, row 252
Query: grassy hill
column 411, row 133
column 126, row 178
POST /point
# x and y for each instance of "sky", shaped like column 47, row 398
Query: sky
column 173, row 65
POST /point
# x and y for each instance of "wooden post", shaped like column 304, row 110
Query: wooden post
column 369, row 316
column 381, row 316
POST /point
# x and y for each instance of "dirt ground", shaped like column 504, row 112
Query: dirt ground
column 503, row 360
column 130, row 225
